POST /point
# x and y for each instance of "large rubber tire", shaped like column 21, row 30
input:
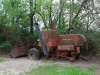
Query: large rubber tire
column 33, row 54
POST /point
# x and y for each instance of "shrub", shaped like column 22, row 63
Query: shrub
column 4, row 47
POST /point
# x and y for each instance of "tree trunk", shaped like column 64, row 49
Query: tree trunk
column 71, row 16
column 31, row 16
column 80, row 9
column 60, row 13
column 50, row 17
column 43, row 20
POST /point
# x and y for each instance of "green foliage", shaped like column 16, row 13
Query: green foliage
column 4, row 47
column 93, row 41
column 61, row 30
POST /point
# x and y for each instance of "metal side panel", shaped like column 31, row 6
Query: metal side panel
column 66, row 47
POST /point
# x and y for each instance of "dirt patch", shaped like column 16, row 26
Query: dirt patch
column 17, row 65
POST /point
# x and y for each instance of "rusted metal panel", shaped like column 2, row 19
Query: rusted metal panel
column 19, row 51
column 71, row 39
column 66, row 47
column 64, row 40
column 49, row 37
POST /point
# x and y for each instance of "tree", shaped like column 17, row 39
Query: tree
column 17, row 18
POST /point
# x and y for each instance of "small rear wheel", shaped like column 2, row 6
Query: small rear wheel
column 33, row 54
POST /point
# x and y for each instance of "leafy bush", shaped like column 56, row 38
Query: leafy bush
column 4, row 47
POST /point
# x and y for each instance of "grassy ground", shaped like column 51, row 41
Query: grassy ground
column 1, row 60
column 63, row 70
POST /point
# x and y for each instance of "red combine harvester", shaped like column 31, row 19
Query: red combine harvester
column 52, row 45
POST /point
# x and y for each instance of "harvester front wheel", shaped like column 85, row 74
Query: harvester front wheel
column 34, row 54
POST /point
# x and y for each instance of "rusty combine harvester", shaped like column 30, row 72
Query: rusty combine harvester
column 52, row 45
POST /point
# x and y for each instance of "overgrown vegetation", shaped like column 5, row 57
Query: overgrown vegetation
column 61, row 70
column 4, row 47
column 17, row 18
